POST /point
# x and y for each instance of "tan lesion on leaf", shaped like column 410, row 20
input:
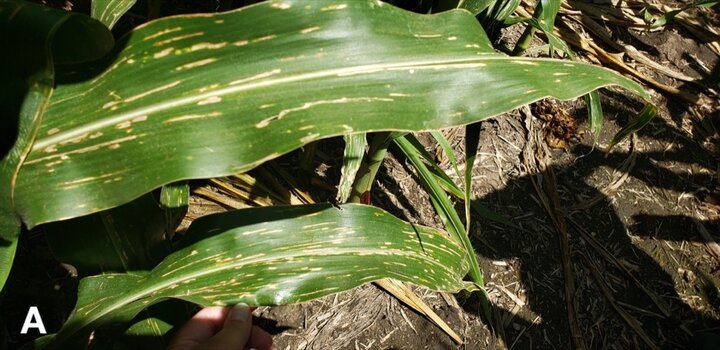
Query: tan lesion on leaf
column 334, row 7
column 281, row 5
column 529, row 63
column 256, row 77
column 210, row 100
column 265, row 38
column 163, row 53
column 208, row 46
column 90, row 179
column 177, row 38
column 310, row 137
column 427, row 36
column 307, row 105
column 114, row 104
column 208, row 88
column 162, row 32
column 292, row 58
column 197, row 64
column 65, row 155
column 309, row 30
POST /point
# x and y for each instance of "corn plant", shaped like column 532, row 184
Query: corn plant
column 101, row 124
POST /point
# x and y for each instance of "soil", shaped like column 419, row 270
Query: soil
column 641, row 221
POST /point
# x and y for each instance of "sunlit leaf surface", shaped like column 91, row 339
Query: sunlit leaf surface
column 275, row 255
column 209, row 95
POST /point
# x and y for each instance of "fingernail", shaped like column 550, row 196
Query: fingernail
column 240, row 312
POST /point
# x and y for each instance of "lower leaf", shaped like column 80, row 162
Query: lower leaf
column 274, row 255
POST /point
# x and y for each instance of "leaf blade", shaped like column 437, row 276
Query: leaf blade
column 275, row 255
column 109, row 11
column 191, row 113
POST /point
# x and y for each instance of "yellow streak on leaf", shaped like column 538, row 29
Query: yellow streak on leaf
column 163, row 53
column 281, row 5
column 162, row 32
column 149, row 92
column 197, row 63
column 192, row 117
column 265, row 122
column 333, row 7
column 186, row 36
column 525, row 62
column 309, row 30
column 210, row 100
column 264, row 38
column 255, row 77
column 202, row 46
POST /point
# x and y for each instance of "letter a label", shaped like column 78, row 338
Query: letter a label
column 33, row 320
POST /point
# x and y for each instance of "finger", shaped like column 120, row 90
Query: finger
column 235, row 332
column 199, row 328
column 259, row 339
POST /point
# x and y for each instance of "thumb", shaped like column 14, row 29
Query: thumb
column 235, row 332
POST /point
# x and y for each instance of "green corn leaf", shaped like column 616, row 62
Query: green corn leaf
column 440, row 201
column 370, row 165
column 636, row 124
column 7, row 256
column 217, row 94
column 410, row 146
column 176, row 195
column 130, row 237
column 36, row 37
column 352, row 159
column 447, row 148
column 662, row 20
column 109, row 11
column 271, row 256
column 499, row 11
column 548, row 13
column 152, row 328
column 595, row 114
column 25, row 87
column 474, row 6
column 447, row 184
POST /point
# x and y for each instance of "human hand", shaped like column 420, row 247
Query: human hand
column 221, row 328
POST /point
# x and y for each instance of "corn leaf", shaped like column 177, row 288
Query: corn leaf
column 133, row 236
column 352, row 159
column 595, row 114
column 216, row 94
column 662, row 20
column 474, row 6
column 644, row 117
column 30, row 30
column 7, row 256
column 271, row 256
column 25, row 87
column 411, row 147
column 447, row 184
column 447, row 149
column 109, row 11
